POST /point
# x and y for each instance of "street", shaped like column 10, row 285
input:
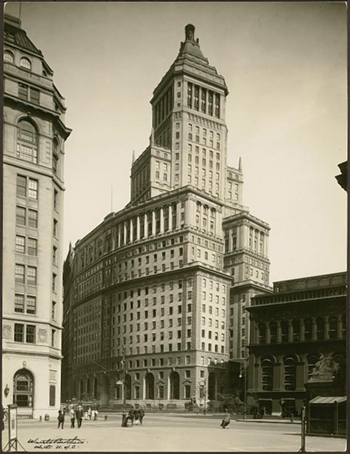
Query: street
column 167, row 432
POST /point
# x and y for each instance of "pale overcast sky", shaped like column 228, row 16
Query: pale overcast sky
column 285, row 67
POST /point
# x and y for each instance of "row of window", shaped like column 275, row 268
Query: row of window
column 25, row 274
column 203, row 100
column 23, row 63
column 26, row 333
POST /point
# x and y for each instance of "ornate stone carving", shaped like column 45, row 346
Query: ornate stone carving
column 42, row 335
column 325, row 369
column 7, row 332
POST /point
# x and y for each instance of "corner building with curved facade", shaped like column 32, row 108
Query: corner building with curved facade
column 34, row 137
column 156, row 279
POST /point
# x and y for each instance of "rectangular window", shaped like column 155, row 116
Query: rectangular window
column 53, row 333
column 32, row 247
column 19, row 274
column 30, row 334
column 33, row 189
column 20, row 244
column 31, row 275
column 196, row 97
column 34, row 96
column 54, row 254
column 19, row 333
column 33, row 219
column 53, row 310
column 20, row 216
column 19, row 303
column 21, row 186
column 55, row 199
column 23, row 91
column 52, row 395
column 55, row 228
column 31, row 304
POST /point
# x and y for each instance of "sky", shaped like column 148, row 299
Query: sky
column 286, row 70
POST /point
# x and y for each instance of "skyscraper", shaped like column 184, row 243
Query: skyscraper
column 34, row 137
column 151, row 281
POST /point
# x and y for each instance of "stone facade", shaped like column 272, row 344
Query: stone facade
column 34, row 136
column 152, row 279
column 302, row 321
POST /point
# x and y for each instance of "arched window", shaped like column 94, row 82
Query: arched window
column 308, row 329
column 296, row 330
column 23, row 388
column 284, row 331
column 320, row 328
column 273, row 333
column 149, row 382
column 332, row 329
column 262, row 333
column 27, row 146
column 267, row 374
column 174, row 385
column 8, row 56
column 289, row 374
column 25, row 63
column 311, row 361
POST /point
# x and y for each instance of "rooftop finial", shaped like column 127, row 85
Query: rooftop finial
column 189, row 32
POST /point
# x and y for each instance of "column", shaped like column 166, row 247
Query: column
column 153, row 222
column 170, row 218
column 146, row 226
column 339, row 327
column 268, row 334
column 230, row 239
column 302, row 330
column 161, row 220
column 138, row 233
column 326, row 328
column 314, row 329
column 290, row 331
column 125, row 232
column 238, row 237
column 178, row 214
column 131, row 224
column 119, row 234
column 279, row 333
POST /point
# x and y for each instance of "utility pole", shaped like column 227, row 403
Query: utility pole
column 124, row 378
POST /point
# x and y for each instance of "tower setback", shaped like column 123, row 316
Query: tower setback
column 161, row 280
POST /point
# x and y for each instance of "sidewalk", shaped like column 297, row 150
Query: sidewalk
column 271, row 421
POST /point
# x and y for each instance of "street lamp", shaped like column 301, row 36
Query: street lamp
column 243, row 375
column 204, row 394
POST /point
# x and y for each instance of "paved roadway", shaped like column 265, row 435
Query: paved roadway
column 166, row 432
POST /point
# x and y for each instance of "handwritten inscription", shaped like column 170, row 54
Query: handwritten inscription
column 62, row 444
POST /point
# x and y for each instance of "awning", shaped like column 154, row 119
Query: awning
column 327, row 400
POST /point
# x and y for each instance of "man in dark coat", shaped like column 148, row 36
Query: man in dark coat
column 79, row 413
column 141, row 415
column 131, row 416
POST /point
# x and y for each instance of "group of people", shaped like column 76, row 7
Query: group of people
column 76, row 414
column 135, row 416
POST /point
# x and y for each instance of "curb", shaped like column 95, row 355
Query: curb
column 268, row 421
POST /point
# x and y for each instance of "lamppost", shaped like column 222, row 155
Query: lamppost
column 243, row 375
column 204, row 394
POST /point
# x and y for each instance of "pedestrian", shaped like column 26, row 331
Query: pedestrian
column 79, row 413
column 60, row 418
column 72, row 417
column 89, row 413
column 136, row 417
column 130, row 416
column 95, row 415
column 226, row 420
column 141, row 415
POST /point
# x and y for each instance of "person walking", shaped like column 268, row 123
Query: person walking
column 60, row 419
column 89, row 413
column 226, row 420
column 72, row 417
column 79, row 413
column 131, row 416
column 141, row 415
